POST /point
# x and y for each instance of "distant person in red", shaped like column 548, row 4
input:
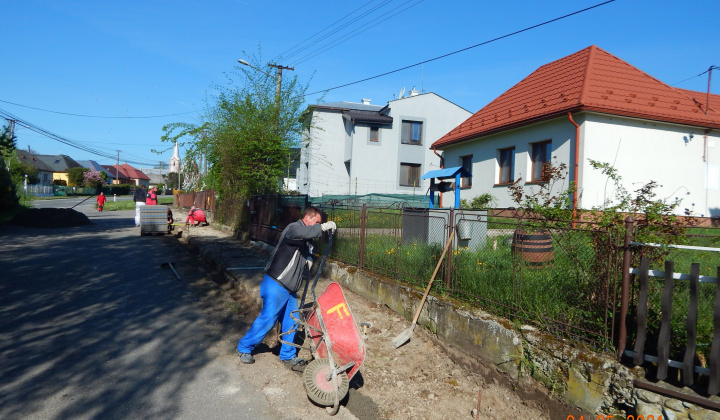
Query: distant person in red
column 151, row 199
column 101, row 199
column 195, row 217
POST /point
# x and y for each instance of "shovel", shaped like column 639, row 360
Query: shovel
column 404, row 336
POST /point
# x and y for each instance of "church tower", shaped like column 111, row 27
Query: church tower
column 175, row 160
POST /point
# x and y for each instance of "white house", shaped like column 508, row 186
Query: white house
column 359, row 148
column 592, row 105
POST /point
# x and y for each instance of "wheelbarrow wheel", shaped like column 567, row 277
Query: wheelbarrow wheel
column 319, row 389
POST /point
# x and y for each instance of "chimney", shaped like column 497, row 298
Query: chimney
column 366, row 101
column 414, row 92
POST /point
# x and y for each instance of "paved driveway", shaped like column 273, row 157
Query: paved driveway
column 91, row 327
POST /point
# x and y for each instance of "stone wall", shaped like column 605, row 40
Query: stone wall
column 649, row 404
column 593, row 382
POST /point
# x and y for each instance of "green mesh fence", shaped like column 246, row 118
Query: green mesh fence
column 373, row 200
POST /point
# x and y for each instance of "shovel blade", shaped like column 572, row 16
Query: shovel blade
column 402, row 338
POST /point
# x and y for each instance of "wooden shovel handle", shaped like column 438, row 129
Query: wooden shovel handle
column 427, row 289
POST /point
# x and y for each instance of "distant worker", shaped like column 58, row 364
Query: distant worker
column 151, row 199
column 139, row 198
column 101, row 199
column 170, row 219
column 195, row 217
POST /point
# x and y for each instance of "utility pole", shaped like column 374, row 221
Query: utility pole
column 117, row 168
column 279, row 82
column 203, row 155
column 277, row 109
column 11, row 128
column 707, row 96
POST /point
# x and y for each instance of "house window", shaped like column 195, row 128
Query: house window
column 541, row 153
column 506, row 161
column 466, row 162
column 411, row 132
column 374, row 134
column 409, row 175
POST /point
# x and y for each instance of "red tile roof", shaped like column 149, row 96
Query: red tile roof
column 133, row 173
column 126, row 171
column 588, row 80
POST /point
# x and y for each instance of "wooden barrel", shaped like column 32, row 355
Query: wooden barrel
column 533, row 248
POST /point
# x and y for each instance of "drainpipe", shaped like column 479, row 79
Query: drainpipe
column 442, row 166
column 575, row 166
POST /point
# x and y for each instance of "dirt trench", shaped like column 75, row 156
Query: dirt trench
column 423, row 379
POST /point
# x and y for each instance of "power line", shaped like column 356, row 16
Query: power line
column 356, row 32
column 96, row 116
column 19, row 121
column 321, row 31
column 689, row 78
column 465, row 49
column 357, row 21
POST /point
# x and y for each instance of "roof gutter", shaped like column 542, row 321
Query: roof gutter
column 575, row 167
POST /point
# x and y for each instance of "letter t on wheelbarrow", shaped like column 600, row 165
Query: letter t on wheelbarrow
column 336, row 342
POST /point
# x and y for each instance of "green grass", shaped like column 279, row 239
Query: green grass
column 571, row 296
column 561, row 291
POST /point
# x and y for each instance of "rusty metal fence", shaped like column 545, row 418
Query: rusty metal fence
column 201, row 199
column 553, row 280
column 269, row 214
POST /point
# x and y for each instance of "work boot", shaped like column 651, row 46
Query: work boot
column 296, row 364
column 246, row 358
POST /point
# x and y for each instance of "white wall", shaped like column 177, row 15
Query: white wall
column 322, row 169
column 485, row 168
column 640, row 150
column 374, row 166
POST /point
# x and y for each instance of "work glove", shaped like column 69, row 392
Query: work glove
column 331, row 226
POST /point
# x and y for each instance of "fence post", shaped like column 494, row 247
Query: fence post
column 625, row 291
column 363, row 226
column 448, row 260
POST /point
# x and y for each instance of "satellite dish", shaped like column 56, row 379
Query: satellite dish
column 402, row 92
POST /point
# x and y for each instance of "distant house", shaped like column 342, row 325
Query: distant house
column 155, row 179
column 115, row 175
column 45, row 172
column 359, row 148
column 126, row 174
column 92, row 165
column 593, row 105
column 59, row 165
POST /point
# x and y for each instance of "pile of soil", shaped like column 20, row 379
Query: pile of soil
column 50, row 218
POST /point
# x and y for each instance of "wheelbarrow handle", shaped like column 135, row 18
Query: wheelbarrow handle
column 322, row 265
column 317, row 273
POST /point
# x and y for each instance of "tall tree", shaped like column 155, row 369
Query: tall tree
column 8, row 195
column 247, row 133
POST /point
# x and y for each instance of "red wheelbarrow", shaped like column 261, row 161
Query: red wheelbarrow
column 334, row 340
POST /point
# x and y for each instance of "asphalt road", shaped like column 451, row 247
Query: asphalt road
column 91, row 328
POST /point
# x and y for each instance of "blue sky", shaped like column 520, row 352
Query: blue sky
column 154, row 58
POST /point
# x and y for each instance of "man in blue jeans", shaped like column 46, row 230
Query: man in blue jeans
column 283, row 277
